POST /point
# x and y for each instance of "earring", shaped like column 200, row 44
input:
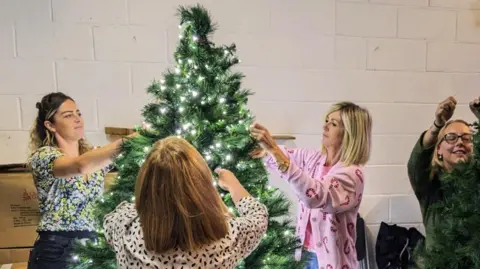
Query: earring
column 440, row 156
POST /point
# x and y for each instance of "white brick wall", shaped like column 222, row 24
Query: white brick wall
column 396, row 57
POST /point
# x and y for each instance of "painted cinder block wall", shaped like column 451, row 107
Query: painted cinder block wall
column 398, row 58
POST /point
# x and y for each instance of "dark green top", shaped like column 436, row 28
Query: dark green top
column 426, row 189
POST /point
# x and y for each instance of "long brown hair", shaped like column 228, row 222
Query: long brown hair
column 39, row 134
column 436, row 164
column 175, row 199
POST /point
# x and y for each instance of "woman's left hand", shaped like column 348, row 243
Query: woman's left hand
column 262, row 135
column 475, row 107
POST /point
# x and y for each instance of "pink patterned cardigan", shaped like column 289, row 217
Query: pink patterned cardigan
column 330, row 203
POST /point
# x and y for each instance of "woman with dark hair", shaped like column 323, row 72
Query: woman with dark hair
column 69, row 177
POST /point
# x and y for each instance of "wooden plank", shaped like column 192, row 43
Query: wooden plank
column 120, row 131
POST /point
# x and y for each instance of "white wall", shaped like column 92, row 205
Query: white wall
column 396, row 57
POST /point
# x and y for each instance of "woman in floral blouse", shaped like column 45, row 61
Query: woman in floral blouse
column 69, row 177
column 178, row 219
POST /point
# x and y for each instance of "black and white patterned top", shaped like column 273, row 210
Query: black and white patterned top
column 124, row 234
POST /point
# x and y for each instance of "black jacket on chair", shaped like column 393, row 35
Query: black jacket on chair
column 395, row 246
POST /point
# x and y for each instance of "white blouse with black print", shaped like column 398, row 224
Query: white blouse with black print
column 124, row 234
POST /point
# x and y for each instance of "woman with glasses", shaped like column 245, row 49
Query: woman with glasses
column 438, row 149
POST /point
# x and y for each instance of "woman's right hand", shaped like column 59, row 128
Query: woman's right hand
column 445, row 111
column 226, row 179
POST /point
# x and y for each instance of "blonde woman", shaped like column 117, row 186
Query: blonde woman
column 437, row 150
column 69, row 177
column 178, row 219
column 328, row 183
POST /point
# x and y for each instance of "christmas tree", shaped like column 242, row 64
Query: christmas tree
column 202, row 101
column 457, row 235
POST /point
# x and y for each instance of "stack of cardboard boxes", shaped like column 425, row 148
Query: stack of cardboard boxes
column 19, row 215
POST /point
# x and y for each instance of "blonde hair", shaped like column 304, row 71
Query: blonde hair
column 357, row 135
column 40, row 136
column 436, row 164
column 177, row 204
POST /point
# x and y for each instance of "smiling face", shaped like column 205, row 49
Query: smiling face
column 456, row 144
column 333, row 131
column 67, row 123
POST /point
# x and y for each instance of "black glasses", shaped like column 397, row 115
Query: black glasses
column 452, row 138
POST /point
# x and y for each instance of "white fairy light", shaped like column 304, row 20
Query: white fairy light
column 180, row 61
column 208, row 157
column 75, row 258
column 287, row 232
column 182, row 98
column 193, row 132
column 190, row 61
column 133, row 198
column 177, row 70
column 162, row 81
column 146, row 149
column 194, row 93
column 163, row 88
column 163, row 110
column 181, row 109
column 180, row 36
column 179, row 131
column 195, row 38
column 230, row 209
column 177, row 86
column 215, row 183
column 221, row 100
column 200, row 78
column 202, row 102
column 179, row 26
column 229, row 157
column 218, row 144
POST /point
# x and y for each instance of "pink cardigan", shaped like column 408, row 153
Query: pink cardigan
column 330, row 202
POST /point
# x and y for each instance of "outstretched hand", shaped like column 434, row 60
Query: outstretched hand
column 445, row 111
column 264, row 138
column 475, row 107
column 226, row 179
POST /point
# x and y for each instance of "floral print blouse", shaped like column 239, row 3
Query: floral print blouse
column 66, row 204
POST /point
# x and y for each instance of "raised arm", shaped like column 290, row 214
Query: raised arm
column 62, row 166
column 253, row 221
column 339, row 191
column 418, row 165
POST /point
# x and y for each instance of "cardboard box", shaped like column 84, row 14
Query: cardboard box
column 14, row 255
column 22, row 265
column 19, row 214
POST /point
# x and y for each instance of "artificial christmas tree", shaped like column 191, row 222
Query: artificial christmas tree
column 202, row 101
column 456, row 238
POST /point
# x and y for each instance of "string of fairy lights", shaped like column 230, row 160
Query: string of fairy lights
column 218, row 148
